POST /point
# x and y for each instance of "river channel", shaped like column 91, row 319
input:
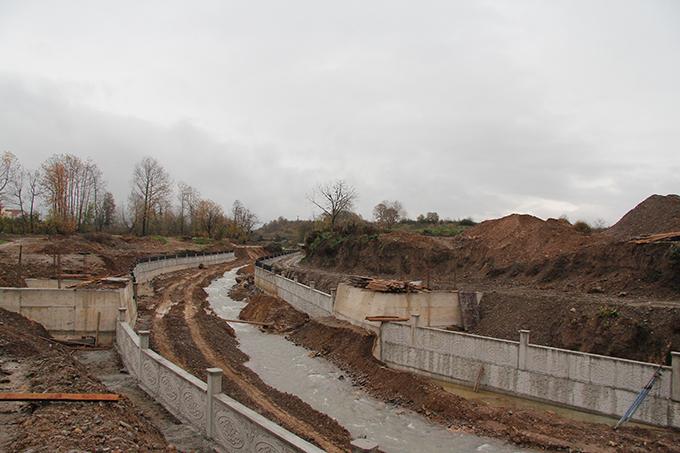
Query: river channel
column 289, row 368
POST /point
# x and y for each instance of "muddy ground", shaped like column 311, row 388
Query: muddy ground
column 30, row 362
column 350, row 348
column 85, row 255
column 186, row 331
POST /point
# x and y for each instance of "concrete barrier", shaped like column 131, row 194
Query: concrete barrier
column 202, row 405
column 146, row 271
column 600, row 384
column 304, row 298
column 436, row 308
column 594, row 383
column 72, row 313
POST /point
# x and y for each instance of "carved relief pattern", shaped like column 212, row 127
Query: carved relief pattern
column 149, row 373
column 228, row 431
column 192, row 403
column 168, row 388
column 267, row 445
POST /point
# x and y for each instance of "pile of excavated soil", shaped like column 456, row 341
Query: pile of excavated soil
column 350, row 348
column 518, row 250
column 526, row 237
column 587, row 323
column 39, row 365
column 269, row 309
column 656, row 214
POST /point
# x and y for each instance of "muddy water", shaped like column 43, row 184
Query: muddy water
column 322, row 385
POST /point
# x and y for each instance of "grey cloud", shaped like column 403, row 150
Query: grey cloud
column 466, row 108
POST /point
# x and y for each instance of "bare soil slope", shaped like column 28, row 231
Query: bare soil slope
column 522, row 250
column 656, row 214
column 86, row 255
column 29, row 363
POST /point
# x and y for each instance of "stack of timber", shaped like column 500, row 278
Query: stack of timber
column 385, row 286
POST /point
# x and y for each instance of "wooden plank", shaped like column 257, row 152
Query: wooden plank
column 59, row 397
column 387, row 318
column 266, row 324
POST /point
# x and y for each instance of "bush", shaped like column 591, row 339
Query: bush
column 162, row 239
column 582, row 227
column 273, row 248
column 467, row 222
column 606, row 312
column 100, row 238
column 199, row 240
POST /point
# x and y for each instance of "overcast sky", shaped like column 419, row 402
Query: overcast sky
column 467, row 108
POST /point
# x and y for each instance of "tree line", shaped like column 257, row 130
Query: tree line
column 68, row 194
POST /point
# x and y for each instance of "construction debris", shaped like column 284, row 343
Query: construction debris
column 59, row 397
column 386, row 286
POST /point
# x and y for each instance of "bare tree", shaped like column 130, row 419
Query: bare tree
column 188, row 199
column 244, row 219
column 387, row 213
column 334, row 199
column 69, row 186
column 106, row 212
column 209, row 216
column 151, row 190
column 8, row 167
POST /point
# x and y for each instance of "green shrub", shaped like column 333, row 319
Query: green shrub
column 606, row 312
column 199, row 240
column 582, row 227
column 162, row 239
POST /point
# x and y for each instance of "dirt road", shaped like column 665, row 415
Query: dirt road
column 184, row 330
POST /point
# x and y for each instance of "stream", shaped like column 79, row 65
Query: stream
column 321, row 384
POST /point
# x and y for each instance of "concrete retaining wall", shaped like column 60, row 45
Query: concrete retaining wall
column 304, row 298
column 436, row 308
column 589, row 382
column 72, row 313
column 146, row 271
column 594, row 383
column 202, row 405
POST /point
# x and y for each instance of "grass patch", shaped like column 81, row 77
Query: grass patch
column 162, row 239
column 199, row 240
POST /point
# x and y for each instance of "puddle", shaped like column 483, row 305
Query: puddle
column 322, row 385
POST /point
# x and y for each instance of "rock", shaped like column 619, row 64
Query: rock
column 572, row 309
column 125, row 425
column 622, row 294
column 595, row 290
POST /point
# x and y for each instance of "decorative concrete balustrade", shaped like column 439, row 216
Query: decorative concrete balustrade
column 202, row 405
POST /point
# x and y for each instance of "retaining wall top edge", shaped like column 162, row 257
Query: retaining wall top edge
column 598, row 356
column 268, row 425
column 465, row 334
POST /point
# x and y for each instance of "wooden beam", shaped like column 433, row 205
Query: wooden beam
column 266, row 324
column 59, row 397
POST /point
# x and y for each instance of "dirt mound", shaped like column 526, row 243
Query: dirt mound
column 526, row 237
column 283, row 317
column 656, row 214
column 516, row 250
column 39, row 366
